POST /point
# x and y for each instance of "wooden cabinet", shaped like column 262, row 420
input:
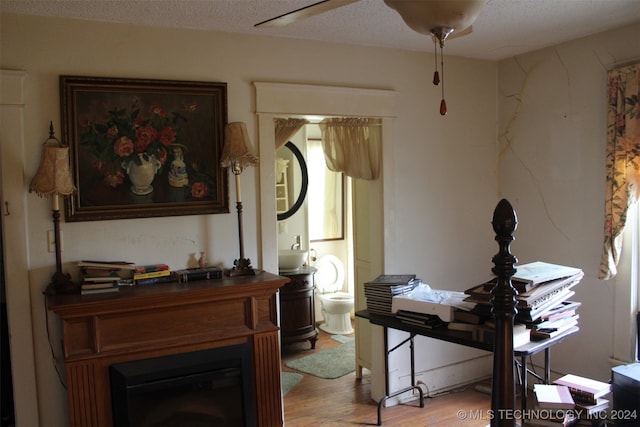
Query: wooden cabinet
column 158, row 320
column 297, row 307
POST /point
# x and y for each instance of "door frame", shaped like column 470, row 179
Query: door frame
column 14, row 226
column 295, row 100
column 281, row 99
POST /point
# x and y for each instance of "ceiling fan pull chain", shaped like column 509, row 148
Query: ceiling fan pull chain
column 443, row 103
column 436, row 76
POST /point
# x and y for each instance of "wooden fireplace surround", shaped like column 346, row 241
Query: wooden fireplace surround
column 159, row 320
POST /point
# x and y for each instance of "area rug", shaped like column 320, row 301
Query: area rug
column 289, row 381
column 332, row 363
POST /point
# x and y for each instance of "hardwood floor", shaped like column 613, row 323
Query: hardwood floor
column 346, row 401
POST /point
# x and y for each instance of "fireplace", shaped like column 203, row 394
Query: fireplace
column 106, row 334
column 209, row 387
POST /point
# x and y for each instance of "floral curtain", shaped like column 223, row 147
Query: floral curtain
column 286, row 128
column 622, row 161
column 353, row 146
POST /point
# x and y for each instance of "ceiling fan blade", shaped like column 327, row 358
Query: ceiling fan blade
column 464, row 32
column 304, row 12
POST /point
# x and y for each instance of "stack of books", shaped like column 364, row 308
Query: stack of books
column 151, row 274
column 588, row 394
column 100, row 277
column 429, row 321
column 379, row 292
column 543, row 298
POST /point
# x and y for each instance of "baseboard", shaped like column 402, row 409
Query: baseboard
column 442, row 379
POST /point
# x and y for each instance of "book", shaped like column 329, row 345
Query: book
column 468, row 317
column 191, row 274
column 99, row 290
column 521, row 334
column 586, row 409
column 99, row 272
column 98, row 279
column 392, row 279
column 149, row 268
column 528, row 314
column 429, row 321
column 98, row 285
column 560, row 311
column 151, row 274
column 585, row 390
column 114, row 265
column 155, row 280
column 553, row 396
column 96, row 271
column 530, row 275
column 557, row 323
column 546, row 333
column 541, row 272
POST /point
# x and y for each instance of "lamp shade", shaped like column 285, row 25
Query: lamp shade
column 238, row 151
column 53, row 175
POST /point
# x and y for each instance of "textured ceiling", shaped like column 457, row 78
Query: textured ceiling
column 504, row 28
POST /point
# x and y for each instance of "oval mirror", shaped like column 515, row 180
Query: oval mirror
column 292, row 180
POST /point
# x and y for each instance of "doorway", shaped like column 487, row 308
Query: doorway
column 16, row 273
column 6, row 390
column 375, row 219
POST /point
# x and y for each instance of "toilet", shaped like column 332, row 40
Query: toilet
column 335, row 305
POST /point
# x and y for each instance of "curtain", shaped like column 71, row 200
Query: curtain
column 353, row 146
column 325, row 213
column 622, row 161
column 286, row 128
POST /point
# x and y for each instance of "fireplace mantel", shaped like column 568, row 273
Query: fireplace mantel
column 158, row 320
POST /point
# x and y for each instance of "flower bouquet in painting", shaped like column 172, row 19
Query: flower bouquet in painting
column 135, row 147
column 131, row 144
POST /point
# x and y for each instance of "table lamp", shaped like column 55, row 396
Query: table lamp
column 53, row 178
column 237, row 154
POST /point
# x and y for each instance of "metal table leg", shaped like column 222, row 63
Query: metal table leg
column 413, row 385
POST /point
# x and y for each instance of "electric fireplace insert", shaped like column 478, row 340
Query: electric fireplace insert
column 212, row 387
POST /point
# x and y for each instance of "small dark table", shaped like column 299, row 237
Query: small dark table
column 462, row 338
column 297, row 307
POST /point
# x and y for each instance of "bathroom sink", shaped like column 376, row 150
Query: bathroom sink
column 291, row 259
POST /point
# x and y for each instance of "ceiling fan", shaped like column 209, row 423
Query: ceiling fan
column 441, row 19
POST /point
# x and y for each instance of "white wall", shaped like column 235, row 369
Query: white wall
column 445, row 167
column 552, row 109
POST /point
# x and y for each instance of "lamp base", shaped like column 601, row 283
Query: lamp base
column 61, row 284
column 241, row 267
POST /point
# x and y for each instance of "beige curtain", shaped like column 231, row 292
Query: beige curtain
column 286, row 128
column 622, row 162
column 353, row 146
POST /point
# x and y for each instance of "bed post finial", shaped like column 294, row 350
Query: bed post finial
column 504, row 309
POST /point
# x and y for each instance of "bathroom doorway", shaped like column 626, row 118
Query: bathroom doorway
column 326, row 224
column 374, row 221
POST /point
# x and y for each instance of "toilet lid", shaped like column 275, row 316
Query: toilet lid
column 330, row 274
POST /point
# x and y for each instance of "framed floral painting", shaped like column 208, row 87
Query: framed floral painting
column 144, row 148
